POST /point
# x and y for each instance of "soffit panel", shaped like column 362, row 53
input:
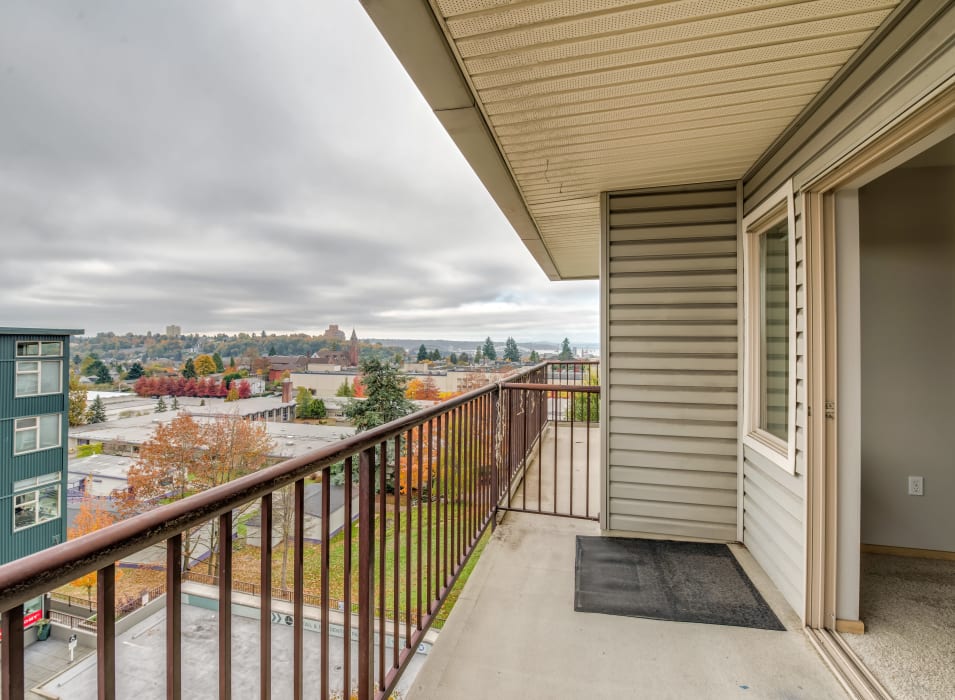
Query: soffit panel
column 587, row 96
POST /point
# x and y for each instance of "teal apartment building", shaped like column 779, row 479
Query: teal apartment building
column 34, row 407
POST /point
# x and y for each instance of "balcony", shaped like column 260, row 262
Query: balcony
column 427, row 488
column 518, row 462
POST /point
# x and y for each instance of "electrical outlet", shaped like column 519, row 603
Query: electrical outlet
column 916, row 486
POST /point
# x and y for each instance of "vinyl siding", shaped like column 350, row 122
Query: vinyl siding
column 671, row 334
column 773, row 499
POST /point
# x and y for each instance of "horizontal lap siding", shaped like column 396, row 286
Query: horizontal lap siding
column 774, row 500
column 672, row 361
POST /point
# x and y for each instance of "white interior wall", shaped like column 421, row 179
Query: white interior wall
column 907, row 252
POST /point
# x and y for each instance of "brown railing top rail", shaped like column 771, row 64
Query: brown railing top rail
column 38, row 573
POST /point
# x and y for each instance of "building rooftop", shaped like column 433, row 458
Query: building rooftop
column 4, row 330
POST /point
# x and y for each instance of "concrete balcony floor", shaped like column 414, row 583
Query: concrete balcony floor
column 514, row 634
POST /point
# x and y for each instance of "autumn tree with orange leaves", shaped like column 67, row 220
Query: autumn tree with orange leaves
column 184, row 457
column 90, row 518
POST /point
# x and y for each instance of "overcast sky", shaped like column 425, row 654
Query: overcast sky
column 239, row 166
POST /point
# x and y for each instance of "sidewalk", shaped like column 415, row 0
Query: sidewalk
column 44, row 660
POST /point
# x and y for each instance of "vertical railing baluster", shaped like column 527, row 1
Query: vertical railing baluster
column 325, row 603
column 382, row 517
column 11, row 660
column 105, row 632
column 587, row 446
column 420, row 512
column 542, row 409
column 408, row 558
column 446, row 452
column 366, row 574
column 225, row 605
column 265, row 599
column 174, row 617
column 556, row 437
column 396, row 556
column 524, row 403
column 431, row 487
column 298, row 594
column 347, row 576
column 572, row 410
column 497, row 459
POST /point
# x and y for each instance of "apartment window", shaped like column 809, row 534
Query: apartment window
column 40, row 348
column 769, row 319
column 36, row 501
column 39, row 377
column 36, row 433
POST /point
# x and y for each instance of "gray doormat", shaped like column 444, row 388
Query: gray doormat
column 665, row 580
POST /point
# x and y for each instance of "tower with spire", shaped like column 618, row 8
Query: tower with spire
column 353, row 349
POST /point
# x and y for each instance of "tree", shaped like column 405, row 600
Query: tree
column 233, row 394
column 478, row 357
column 565, row 352
column 90, row 518
column 303, row 397
column 204, row 365
column 422, row 353
column 435, row 355
column 345, row 389
column 175, row 404
column 77, row 412
column 96, row 413
column 231, row 362
column 103, row 375
column 160, row 406
column 511, row 352
column 534, row 357
column 452, row 359
column 488, row 349
column 464, row 359
column 217, row 358
column 189, row 370
column 584, row 407
column 135, row 371
column 385, row 400
column 272, row 351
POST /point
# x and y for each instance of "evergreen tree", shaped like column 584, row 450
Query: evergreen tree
column 231, row 361
column 489, row 352
column 435, row 355
column 464, row 358
column 385, row 399
column 103, row 376
column 77, row 411
column 534, row 358
column 272, row 350
column 511, row 352
column 135, row 371
column 422, row 353
column 160, row 406
column 565, row 352
column 189, row 371
column 478, row 357
column 452, row 359
column 345, row 389
column 96, row 413
column 217, row 358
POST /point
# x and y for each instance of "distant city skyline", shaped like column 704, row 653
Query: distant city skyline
column 216, row 168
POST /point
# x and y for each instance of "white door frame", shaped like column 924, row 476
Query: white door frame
column 912, row 134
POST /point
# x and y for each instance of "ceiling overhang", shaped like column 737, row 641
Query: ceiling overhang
column 553, row 102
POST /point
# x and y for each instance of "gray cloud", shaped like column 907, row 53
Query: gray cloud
column 238, row 166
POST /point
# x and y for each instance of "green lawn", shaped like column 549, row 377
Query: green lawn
column 246, row 561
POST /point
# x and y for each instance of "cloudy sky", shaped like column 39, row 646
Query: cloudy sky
column 239, row 166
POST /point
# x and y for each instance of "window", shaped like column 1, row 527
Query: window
column 36, row 501
column 39, row 377
column 36, row 433
column 769, row 262
column 40, row 348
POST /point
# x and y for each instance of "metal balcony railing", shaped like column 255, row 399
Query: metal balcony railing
column 449, row 469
